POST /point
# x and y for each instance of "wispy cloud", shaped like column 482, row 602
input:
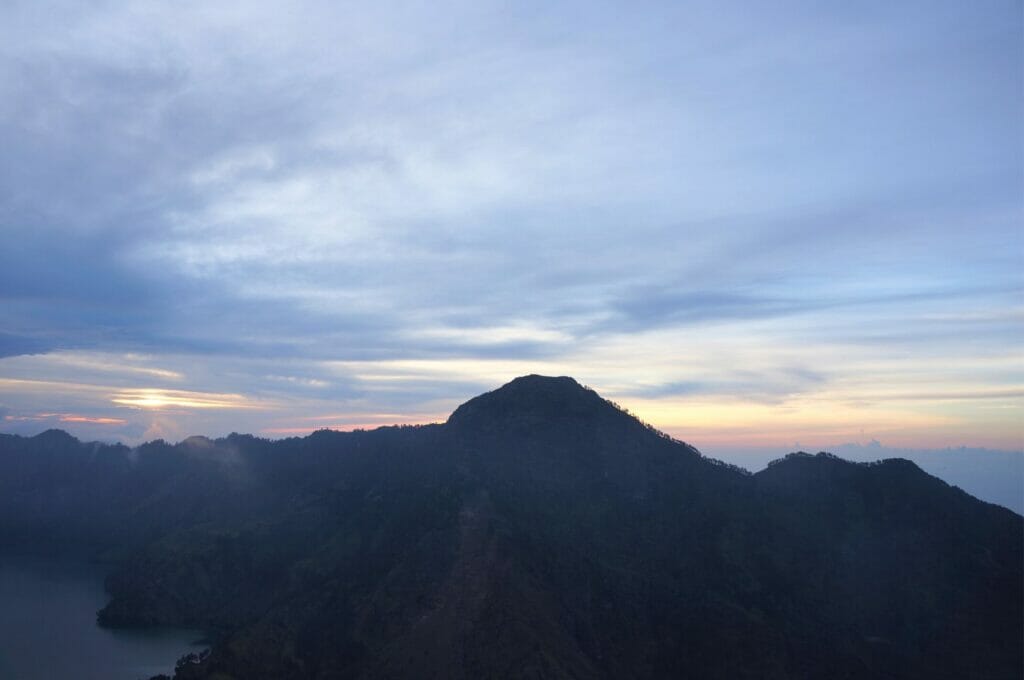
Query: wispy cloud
column 155, row 398
column 67, row 418
column 387, row 209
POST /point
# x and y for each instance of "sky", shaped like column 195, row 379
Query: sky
column 792, row 224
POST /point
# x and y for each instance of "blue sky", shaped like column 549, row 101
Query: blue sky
column 751, row 223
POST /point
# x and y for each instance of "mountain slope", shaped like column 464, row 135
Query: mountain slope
column 540, row 532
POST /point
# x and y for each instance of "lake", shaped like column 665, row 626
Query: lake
column 48, row 628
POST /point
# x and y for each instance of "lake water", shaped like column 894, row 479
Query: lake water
column 48, row 628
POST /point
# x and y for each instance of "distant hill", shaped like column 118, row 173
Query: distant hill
column 991, row 475
column 541, row 532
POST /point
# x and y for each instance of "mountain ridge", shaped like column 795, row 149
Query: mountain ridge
column 540, row 532
column 529, row 397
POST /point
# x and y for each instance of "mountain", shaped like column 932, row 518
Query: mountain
column 540, row 532
column 995, row 476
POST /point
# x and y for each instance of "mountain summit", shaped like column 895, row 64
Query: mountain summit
column 541, row 532
column 529, row 401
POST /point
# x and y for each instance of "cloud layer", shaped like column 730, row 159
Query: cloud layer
column 283, row 216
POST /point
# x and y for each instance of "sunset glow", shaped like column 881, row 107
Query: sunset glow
column 220, row 221
column 148, row 398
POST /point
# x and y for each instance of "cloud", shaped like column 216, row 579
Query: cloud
column 746, row 385
column 14, row 345
column 150, row 398
column 65, row 418
column 255, row 197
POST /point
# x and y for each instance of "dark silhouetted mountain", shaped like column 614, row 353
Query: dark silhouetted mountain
column 995, row 476
column 541, row 532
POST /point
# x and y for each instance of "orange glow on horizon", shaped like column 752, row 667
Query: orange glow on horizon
column 346, row 427
column 69, row 418
column 95, row 421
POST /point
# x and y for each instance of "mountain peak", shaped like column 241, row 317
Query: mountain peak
column 543, row 383
column 537, row 380
column 529, row 400
column 55, row 436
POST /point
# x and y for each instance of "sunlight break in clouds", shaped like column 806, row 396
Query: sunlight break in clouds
column 149, row 398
